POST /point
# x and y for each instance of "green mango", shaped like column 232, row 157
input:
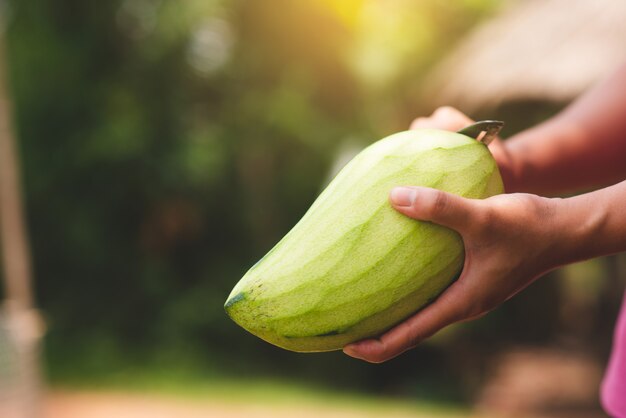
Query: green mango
column 353, row 266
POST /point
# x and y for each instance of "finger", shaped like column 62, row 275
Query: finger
column 446, row 310
column 450, row 118
column 446, row 117
column 422, row 123
column 435, row 206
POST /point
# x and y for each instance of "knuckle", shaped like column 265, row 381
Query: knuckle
column 430, row 204
column 485, row 217
column 491, row 217
column 440, row 202
column 528, row 201
column 531, row 207
column 408, row 334
column 543, row 207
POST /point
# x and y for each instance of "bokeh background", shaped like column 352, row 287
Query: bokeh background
column 166, row 145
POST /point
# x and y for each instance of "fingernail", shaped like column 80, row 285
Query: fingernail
column 403, row 196
column 350, row 351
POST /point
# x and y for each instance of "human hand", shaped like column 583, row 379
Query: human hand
column 451, row 119
column 510, row 240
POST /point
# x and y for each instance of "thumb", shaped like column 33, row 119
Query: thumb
column 435, row 206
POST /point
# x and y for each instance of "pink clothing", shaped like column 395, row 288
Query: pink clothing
column 614, row 384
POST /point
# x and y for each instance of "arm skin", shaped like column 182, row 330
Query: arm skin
column 511, row 240
column 582, row 148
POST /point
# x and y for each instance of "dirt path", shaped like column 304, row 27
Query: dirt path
column 70, row 404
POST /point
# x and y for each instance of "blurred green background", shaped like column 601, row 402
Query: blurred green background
column 167, row 145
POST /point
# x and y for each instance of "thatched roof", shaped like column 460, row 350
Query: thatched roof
column 534, row 49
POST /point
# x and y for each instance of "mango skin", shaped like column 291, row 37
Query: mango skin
column 353, row 267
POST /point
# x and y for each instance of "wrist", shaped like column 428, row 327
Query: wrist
column 579, row 224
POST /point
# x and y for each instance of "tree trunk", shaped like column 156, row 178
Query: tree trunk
column 20, row 318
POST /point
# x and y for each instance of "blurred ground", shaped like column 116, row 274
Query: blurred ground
column 523, row 382
column 82, row 404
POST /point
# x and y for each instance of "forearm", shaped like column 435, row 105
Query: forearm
column 583, row 147
column 591, row 225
